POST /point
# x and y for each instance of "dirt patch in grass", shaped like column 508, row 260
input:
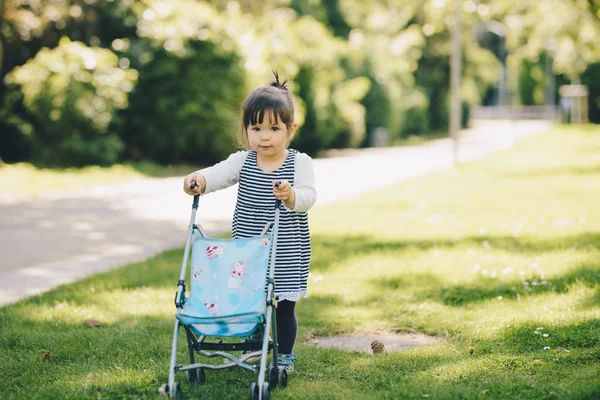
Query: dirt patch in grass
column 362, row 342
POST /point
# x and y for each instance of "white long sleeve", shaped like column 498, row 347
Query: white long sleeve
column 304, row 183
column 224, row 174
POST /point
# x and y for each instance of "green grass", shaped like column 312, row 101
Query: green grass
column 23, row 181
column 480, row 256
column 414, row 140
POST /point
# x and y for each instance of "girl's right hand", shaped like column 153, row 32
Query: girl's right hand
column 200, row 184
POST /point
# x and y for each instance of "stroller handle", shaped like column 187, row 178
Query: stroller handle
column 277, row 201
column 196, row 197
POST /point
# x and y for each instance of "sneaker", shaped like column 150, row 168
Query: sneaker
column 286, row 361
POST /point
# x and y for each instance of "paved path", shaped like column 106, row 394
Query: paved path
column 53, row 241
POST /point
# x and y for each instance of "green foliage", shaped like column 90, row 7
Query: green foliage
column 532, row 81
column 402, row 49
column 377, row 107
column 193, row 118
column 591, row 78
column 72, row 93
column 416, row 122
column 566, row 29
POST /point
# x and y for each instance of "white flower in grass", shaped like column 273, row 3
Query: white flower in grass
column 536, row 332
column 539, row 329
column 545, row 335
column 547, row 348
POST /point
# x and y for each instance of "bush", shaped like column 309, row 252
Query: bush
column 70, row 94
column 591, row 78
column 377, row 106
column 185, row 108
column 416, row 122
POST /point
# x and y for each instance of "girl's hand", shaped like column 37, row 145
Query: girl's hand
column 284, row 192
column 200, row 184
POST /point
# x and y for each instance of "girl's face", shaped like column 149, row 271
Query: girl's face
column 270, row 138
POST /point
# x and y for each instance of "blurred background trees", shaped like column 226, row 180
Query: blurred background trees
column 104, row 81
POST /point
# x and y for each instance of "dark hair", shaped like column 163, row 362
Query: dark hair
column 274, row 99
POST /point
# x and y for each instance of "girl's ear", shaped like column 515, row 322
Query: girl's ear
column 292, row 130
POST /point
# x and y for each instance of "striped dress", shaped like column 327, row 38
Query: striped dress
column 255, row 207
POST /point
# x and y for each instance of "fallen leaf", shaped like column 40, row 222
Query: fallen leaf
column 91, row 323
column 47, row 357
column 89, row 376
column 538, row 362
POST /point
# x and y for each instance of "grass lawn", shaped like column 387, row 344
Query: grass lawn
column 26, row 181
column 501, row 255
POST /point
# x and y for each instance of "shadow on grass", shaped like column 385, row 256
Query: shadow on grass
column 328, row 250
column 582, row 335
column 459, row 295
column 489, row 288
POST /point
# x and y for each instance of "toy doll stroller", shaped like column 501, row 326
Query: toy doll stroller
column 228, row 300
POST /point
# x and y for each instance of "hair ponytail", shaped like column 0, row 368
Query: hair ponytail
column 279, row 85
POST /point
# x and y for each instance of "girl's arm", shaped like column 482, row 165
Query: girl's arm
column 223, row 174
column 304, row 184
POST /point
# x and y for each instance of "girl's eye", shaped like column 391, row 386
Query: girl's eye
column 275, row 128
column 255, row 128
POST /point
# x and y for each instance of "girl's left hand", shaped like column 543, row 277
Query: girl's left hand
column 283, row 191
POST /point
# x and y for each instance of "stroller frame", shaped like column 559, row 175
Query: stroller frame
column 268, row 380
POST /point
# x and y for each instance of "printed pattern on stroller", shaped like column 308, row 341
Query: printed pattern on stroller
column 227, row 299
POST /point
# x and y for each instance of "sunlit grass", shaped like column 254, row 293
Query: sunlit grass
column 24, row 181
column 501, row 256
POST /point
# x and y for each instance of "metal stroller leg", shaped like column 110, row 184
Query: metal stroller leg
column 173, row 355
column 275, row 342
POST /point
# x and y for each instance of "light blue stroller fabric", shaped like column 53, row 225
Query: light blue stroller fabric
column 227, row 279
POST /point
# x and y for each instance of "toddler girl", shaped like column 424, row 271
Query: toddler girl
column 268, row 170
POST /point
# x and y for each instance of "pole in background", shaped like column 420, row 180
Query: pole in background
column 455, row 79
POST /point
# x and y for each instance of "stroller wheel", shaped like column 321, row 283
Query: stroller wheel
column 272, row 377
column 254, row 393
column 195, row 376
column 176, row 392
column 266, row 392
column 163, row 389
column 282, row 377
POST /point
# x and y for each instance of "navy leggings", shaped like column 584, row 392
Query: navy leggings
column 287, row 326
